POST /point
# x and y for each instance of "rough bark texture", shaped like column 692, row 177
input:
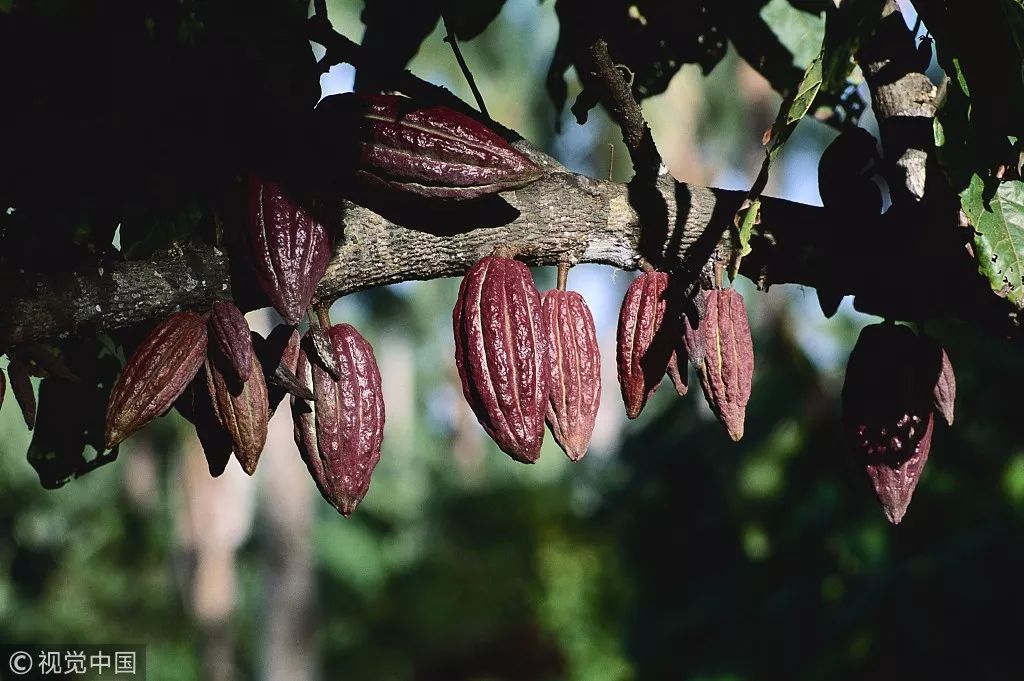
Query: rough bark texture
column 589, row 220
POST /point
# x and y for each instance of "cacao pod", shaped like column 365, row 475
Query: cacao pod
column 574, row 363
column 24, row 395
column 894, row 485
column 241, row 407
column 156, row 374
column 727, row 365
column 196, row 405
column 231, row 333
column 677, row 370
column 431, row 151
column 289, row 248
column 945, row 388
column 500, row 352
column 887, row 401
column 339, row 433
column 644, row 343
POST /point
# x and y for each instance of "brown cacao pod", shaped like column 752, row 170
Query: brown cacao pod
column 574, row 364
column 339, row 434
column 156, row 374
column 24, row 395
column 241, row 407
column 945, row 388
column 431, row 151
column 727, row 366
column 231, row 333
column 644, row 344
column 500, row 352
column 288, row 247
column 677, row 370
column 888, row 399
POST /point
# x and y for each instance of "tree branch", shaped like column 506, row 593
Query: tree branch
column 562, row 214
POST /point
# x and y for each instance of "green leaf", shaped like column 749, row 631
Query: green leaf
column 998, row 222
column 790, row 112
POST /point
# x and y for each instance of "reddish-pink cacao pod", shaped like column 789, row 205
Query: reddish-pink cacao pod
column 339, row 433
column 574, row 363
column 156, row 374
column 231, row 333
column 288, row 247
column 500, row 352
column 726, row 368
column 643, row 344
column 427, row 150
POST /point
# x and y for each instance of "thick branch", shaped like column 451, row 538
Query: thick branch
column 590, row 220
column 903, row 99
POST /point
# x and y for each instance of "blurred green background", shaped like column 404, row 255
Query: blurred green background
column 669, row 552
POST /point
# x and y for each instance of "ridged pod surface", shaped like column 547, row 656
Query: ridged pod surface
column 288, row 247
column 500, row 352
column 431, row 151
column 574, row 364
column 339, row 434
column 888, row 400
column 727, row 367
column 643, row 347
column 156, row 374
column 241, row 408
column 231, row 333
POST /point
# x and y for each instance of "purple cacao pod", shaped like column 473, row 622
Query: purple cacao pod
column 574, row 363
column 727, row 367
column 241, row 407
column 643, row 345
column 231, row 333
column 500, row 352
column 339, row 433
column 431, row 151
column 888, row 400
column 156, row 374
column 289, row 248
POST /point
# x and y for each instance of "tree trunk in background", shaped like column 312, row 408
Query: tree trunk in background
column 214, row 519
column 287, row 511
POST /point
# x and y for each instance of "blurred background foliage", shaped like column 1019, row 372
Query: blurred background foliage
column 668, row 553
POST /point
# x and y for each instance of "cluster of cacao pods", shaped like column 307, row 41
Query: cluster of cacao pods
column 655, row 337
column 228, row 380
column 896, row 382
column 524, row 359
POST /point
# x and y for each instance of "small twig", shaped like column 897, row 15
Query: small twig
column 454, row 42
column 611, row 160
column 615, row 93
